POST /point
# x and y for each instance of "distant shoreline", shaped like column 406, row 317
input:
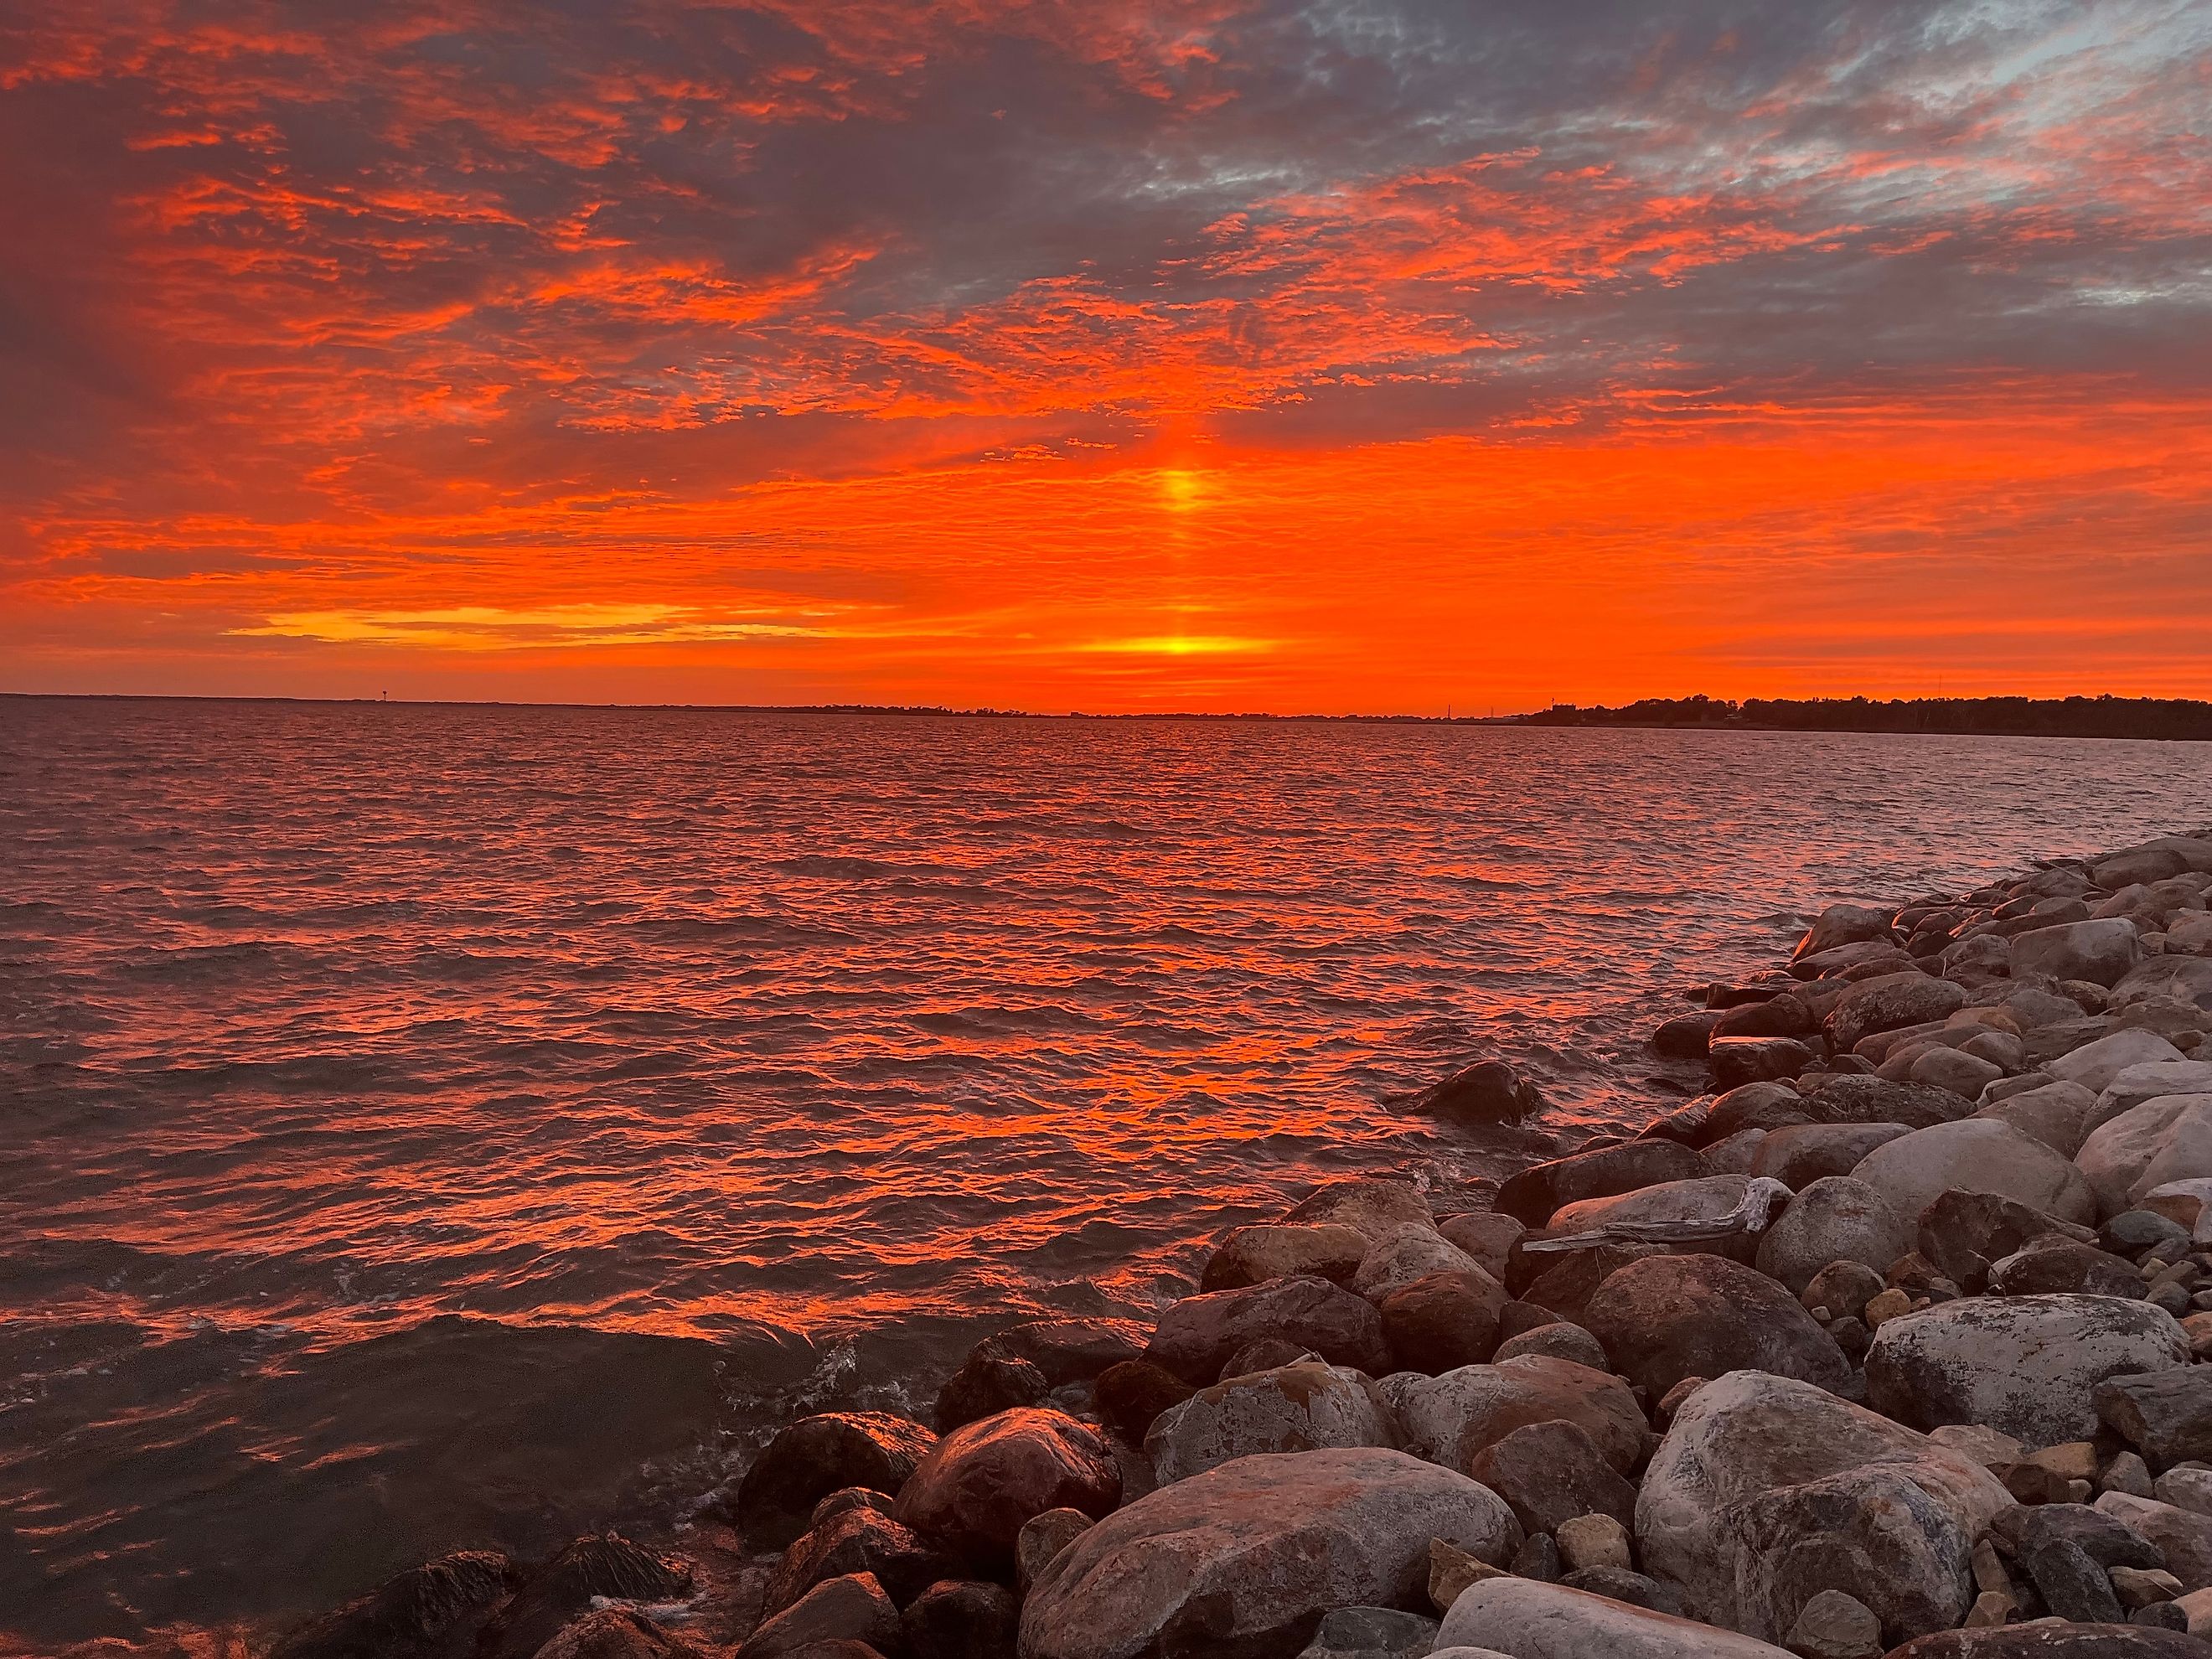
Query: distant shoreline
column 2172, row 719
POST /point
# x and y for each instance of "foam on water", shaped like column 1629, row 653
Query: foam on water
column 414, row 1114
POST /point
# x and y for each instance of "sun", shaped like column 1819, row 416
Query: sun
column 1182, row 490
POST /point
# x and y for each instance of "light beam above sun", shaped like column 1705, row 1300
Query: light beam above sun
column 1238, row 356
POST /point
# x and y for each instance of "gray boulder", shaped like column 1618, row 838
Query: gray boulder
column 1710, row 1198
column 1410, row 1253
column 1486, row 1236
column 1533, row 1194
column 2165, row 1139
column 1371, row 1205
column 1449, row 1419
column 1372, row 1633
column 2053, row 1113
column 2101, row 953
column 1841, row 1097
column 2096, row 1065
column 1767, row 1492
column 1978, row 1156
column 1293, row 1408
column 1671, row 1316
column 1253, row 1255
column 2148, row 1081
column 2027, row 1366
column 1836, row 1219
column 1889, row 1003
column 2182, row 1536
column 2185, row 979
column 854, row 1608
column 1246, row 1558
column 1532, row 1620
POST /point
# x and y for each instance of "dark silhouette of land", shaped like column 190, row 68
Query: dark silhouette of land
column 2172, row 718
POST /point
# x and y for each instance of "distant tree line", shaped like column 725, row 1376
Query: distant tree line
column 2023, row 717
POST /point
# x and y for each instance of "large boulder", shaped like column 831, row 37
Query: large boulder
column 1372, row 1633
column 420, row 1611
column 1709, row 1198
column 1736, row 1062
column 1532, row 1194
column 2096, row 1064
column 1068, row 1350
column 1964, row 1233
column 1409, row 1254
column 1888, row 1003
column 1293, row 1408
column 1803, row 1153
column 609, row 1633
column 1245, row 1559
column 2164, row 1415
column 816, row 1456
column 1767, row 1492
column 1374, row 1207
column 2055, row 1113
column 1524, row 1619
column 1449, row 1419
column 1488, row 1091
column 1836, row 1219
column 2100, row 951
column 1550, row 1472
column 1845, row 1097
column 1253, row 1255
column 1201, row 1333
column 2182, row 1536
column 852, row 1609
column 1766, row 1106
column 851, row 1541
column 1844, row 924
column 1671, row 1316
column 2027, row 1366
column 2185, row 979
column 2148, row 1081
column 982, row 1482
column 1444, row 1321
column 1486, row 1236
column 1977, row 1156
column 2165, row 1139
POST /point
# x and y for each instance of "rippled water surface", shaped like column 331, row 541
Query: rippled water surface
column 430, row 1126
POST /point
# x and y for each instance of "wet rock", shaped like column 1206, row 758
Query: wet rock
column 1975, row 1155
column 2096, row 1065
column 2164, row 1139
column 1685, row 1036
column 1247, row 1557
column 1199, row 1334
column 852, row 1609
column 1846, row 924
column 1768, row 1106
column 1412, row 1253
column 1372, row 1633
column 1131, row 1395
column 2101, row 953
column 963, row 1619
column 1069, row 1350
column 2165, row 1415
column 1738, row 1061
column 1372, row 1207
column 2023, row 1366
column 1560, row 1340
column 602, row 1564
column 854, row 1541
column 1253, row 1255
column 816, row 1456
column 987, row 1384
column 1488, row 1091
column 1042, row 1537
column 982, row 1482
column 1806, row 1152
column 1550, row 1472
column 1444, row 1320
column 1533, row 1620
column 1302, row 1407
column 2054, row 1113
column 2182, row 1537
column 1836, row 1219
column 1767, row 1491
column 1963, row 1233
column 424, row 1611
column 614, row 1633
column 1534, row 1192
column 1486, row 1236
column 1449, row 1419
column 1669, row 1317
column 1888, row 1003
column 2053, row 1265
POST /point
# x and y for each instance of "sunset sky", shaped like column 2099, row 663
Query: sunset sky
column 1350, row 355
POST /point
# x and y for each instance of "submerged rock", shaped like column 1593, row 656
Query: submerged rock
column 602, row 1564
column 1247, row 1558
column 816, row 1456
column 1488, row 1091
column 418, row 1612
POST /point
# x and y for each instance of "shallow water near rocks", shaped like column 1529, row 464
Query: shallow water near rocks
column 431, row 1125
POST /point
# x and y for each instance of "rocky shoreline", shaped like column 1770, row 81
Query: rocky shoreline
column 1895, row 1342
